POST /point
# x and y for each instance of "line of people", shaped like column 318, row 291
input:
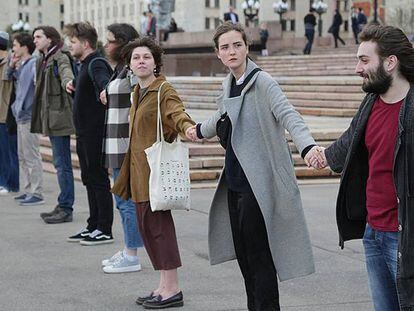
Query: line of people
column 256, row 214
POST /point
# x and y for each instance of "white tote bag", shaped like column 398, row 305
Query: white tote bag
column 169, row 182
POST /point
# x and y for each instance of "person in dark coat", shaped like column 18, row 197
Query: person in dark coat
column 231, row 16
column 334, row 29
column 375, row 156
column 355, row 24
column 310, row 23
column 362, row 19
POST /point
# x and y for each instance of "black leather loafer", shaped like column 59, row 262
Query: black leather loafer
column 141, row 300
column 157, row 303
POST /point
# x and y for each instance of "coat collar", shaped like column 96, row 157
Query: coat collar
column 154, row 86
column 250, row 66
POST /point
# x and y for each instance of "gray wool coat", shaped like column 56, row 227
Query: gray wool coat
column 259, row 117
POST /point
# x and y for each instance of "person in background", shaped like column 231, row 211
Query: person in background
column 116, row 98
column 157, row 229
column 52, row 116
column 264, row 35
column 310, row 23
column 151, row 25
column 335, row 27
column 9, row 163
column 231, row 16
column 354, row 23
column 362, row 19
column 30, row 161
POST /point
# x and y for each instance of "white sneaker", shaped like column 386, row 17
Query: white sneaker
column 122, row 265
column 110, row 261
column 4, row 191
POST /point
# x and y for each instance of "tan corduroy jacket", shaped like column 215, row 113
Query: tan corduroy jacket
column 5, row 90
column 133, row 179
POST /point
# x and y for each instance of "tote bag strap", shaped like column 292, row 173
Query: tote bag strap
column 160, row 133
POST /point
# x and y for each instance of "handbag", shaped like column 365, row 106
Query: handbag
column 169, row 181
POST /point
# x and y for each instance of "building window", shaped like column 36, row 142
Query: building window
column 62, row 25
column 62, row 8
column 207, row 23
column 20, row 16
column 292, row 25
column 216, row 22
column 115, row 11
column 20, row 2
column 123, row 10
column 26, row 2
column 39, row 18
column 233, row 3
column 27, row 17
column 107, row 12
column 217, row 3
column 131, row 9
column 39, row 2
column 292, row 5
column 207, row 3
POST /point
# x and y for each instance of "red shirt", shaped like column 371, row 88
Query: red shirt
column 380, row 139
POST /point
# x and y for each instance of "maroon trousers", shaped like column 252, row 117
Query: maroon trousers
column 158, row 234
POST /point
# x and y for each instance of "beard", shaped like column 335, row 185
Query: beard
column 377, row 82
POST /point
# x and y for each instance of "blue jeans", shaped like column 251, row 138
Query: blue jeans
column 309, row 34
column 9, row 161
column 63, row 165
column 128, row 214
column 381, row 250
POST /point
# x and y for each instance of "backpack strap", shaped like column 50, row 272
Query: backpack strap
column 92, row 77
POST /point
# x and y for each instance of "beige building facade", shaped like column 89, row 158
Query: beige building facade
column 34, row 12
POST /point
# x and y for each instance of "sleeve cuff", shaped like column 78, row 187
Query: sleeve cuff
column 306, row 150
column 198, row 128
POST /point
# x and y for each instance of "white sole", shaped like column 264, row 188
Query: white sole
column 87, row 243
column 135, row 268
column 32, row 204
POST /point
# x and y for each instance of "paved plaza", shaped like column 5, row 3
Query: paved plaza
column 41, row 271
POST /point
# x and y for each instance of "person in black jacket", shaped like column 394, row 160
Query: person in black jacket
column 334, row 29
column 310, row 23
column 231, row 16
column 355, row 24
column 375, row 155
column 89, row 119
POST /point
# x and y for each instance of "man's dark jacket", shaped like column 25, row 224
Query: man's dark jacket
column 88, row 112
column 349, row 155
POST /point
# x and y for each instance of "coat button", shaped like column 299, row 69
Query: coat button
column 398, row 200
column 399, row 228
column 399, row 255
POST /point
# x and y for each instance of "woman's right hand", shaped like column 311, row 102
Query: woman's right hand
column 191, row 133
column 103, row 98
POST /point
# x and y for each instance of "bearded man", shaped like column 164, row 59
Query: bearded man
column 376, row 158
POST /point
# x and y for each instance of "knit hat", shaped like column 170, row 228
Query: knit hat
column 4, row 40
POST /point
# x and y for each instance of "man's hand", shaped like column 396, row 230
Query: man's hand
column 69, row 87
column 316, row 158
column 14, row 60
column 103, row 98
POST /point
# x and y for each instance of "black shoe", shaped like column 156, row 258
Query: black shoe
column 96, row 238
column 157, row 303
column 79, row 236
column 59, row 217
column 141, row 300
column 55, row 211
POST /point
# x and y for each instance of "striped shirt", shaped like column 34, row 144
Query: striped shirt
column 116, row 140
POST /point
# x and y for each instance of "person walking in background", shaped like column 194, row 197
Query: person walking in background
column 335, row 27
column 264, row 35
column 52, row 115
column 310, row 23
column 116, row 98
column 151, row 25
column 9, row 164
column 256, row 215
column 30, row 161
column 362, row 19
column 231, row 16
column 144, row 24
column 355, row 24
column 89, row 118
column 375, row 157
column 157, row 229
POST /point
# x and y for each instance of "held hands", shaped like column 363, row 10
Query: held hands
column 191, row 133
column 69, row 87
column 316, row 158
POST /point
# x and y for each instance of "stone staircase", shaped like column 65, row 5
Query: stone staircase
column 335, row 96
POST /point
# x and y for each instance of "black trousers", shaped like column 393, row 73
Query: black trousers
column 95, row 178
column 337, row 37
column 252, row 252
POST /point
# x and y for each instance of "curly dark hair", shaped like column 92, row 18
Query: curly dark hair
column 392, row 41
column 151, row 44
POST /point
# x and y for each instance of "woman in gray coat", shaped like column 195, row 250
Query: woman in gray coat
column 256, row 214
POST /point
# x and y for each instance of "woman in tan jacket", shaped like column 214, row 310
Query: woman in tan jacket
column 157, row 228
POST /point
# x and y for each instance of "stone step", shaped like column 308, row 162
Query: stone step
column 327, row 112
column 305, row 57
column 293, row 72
